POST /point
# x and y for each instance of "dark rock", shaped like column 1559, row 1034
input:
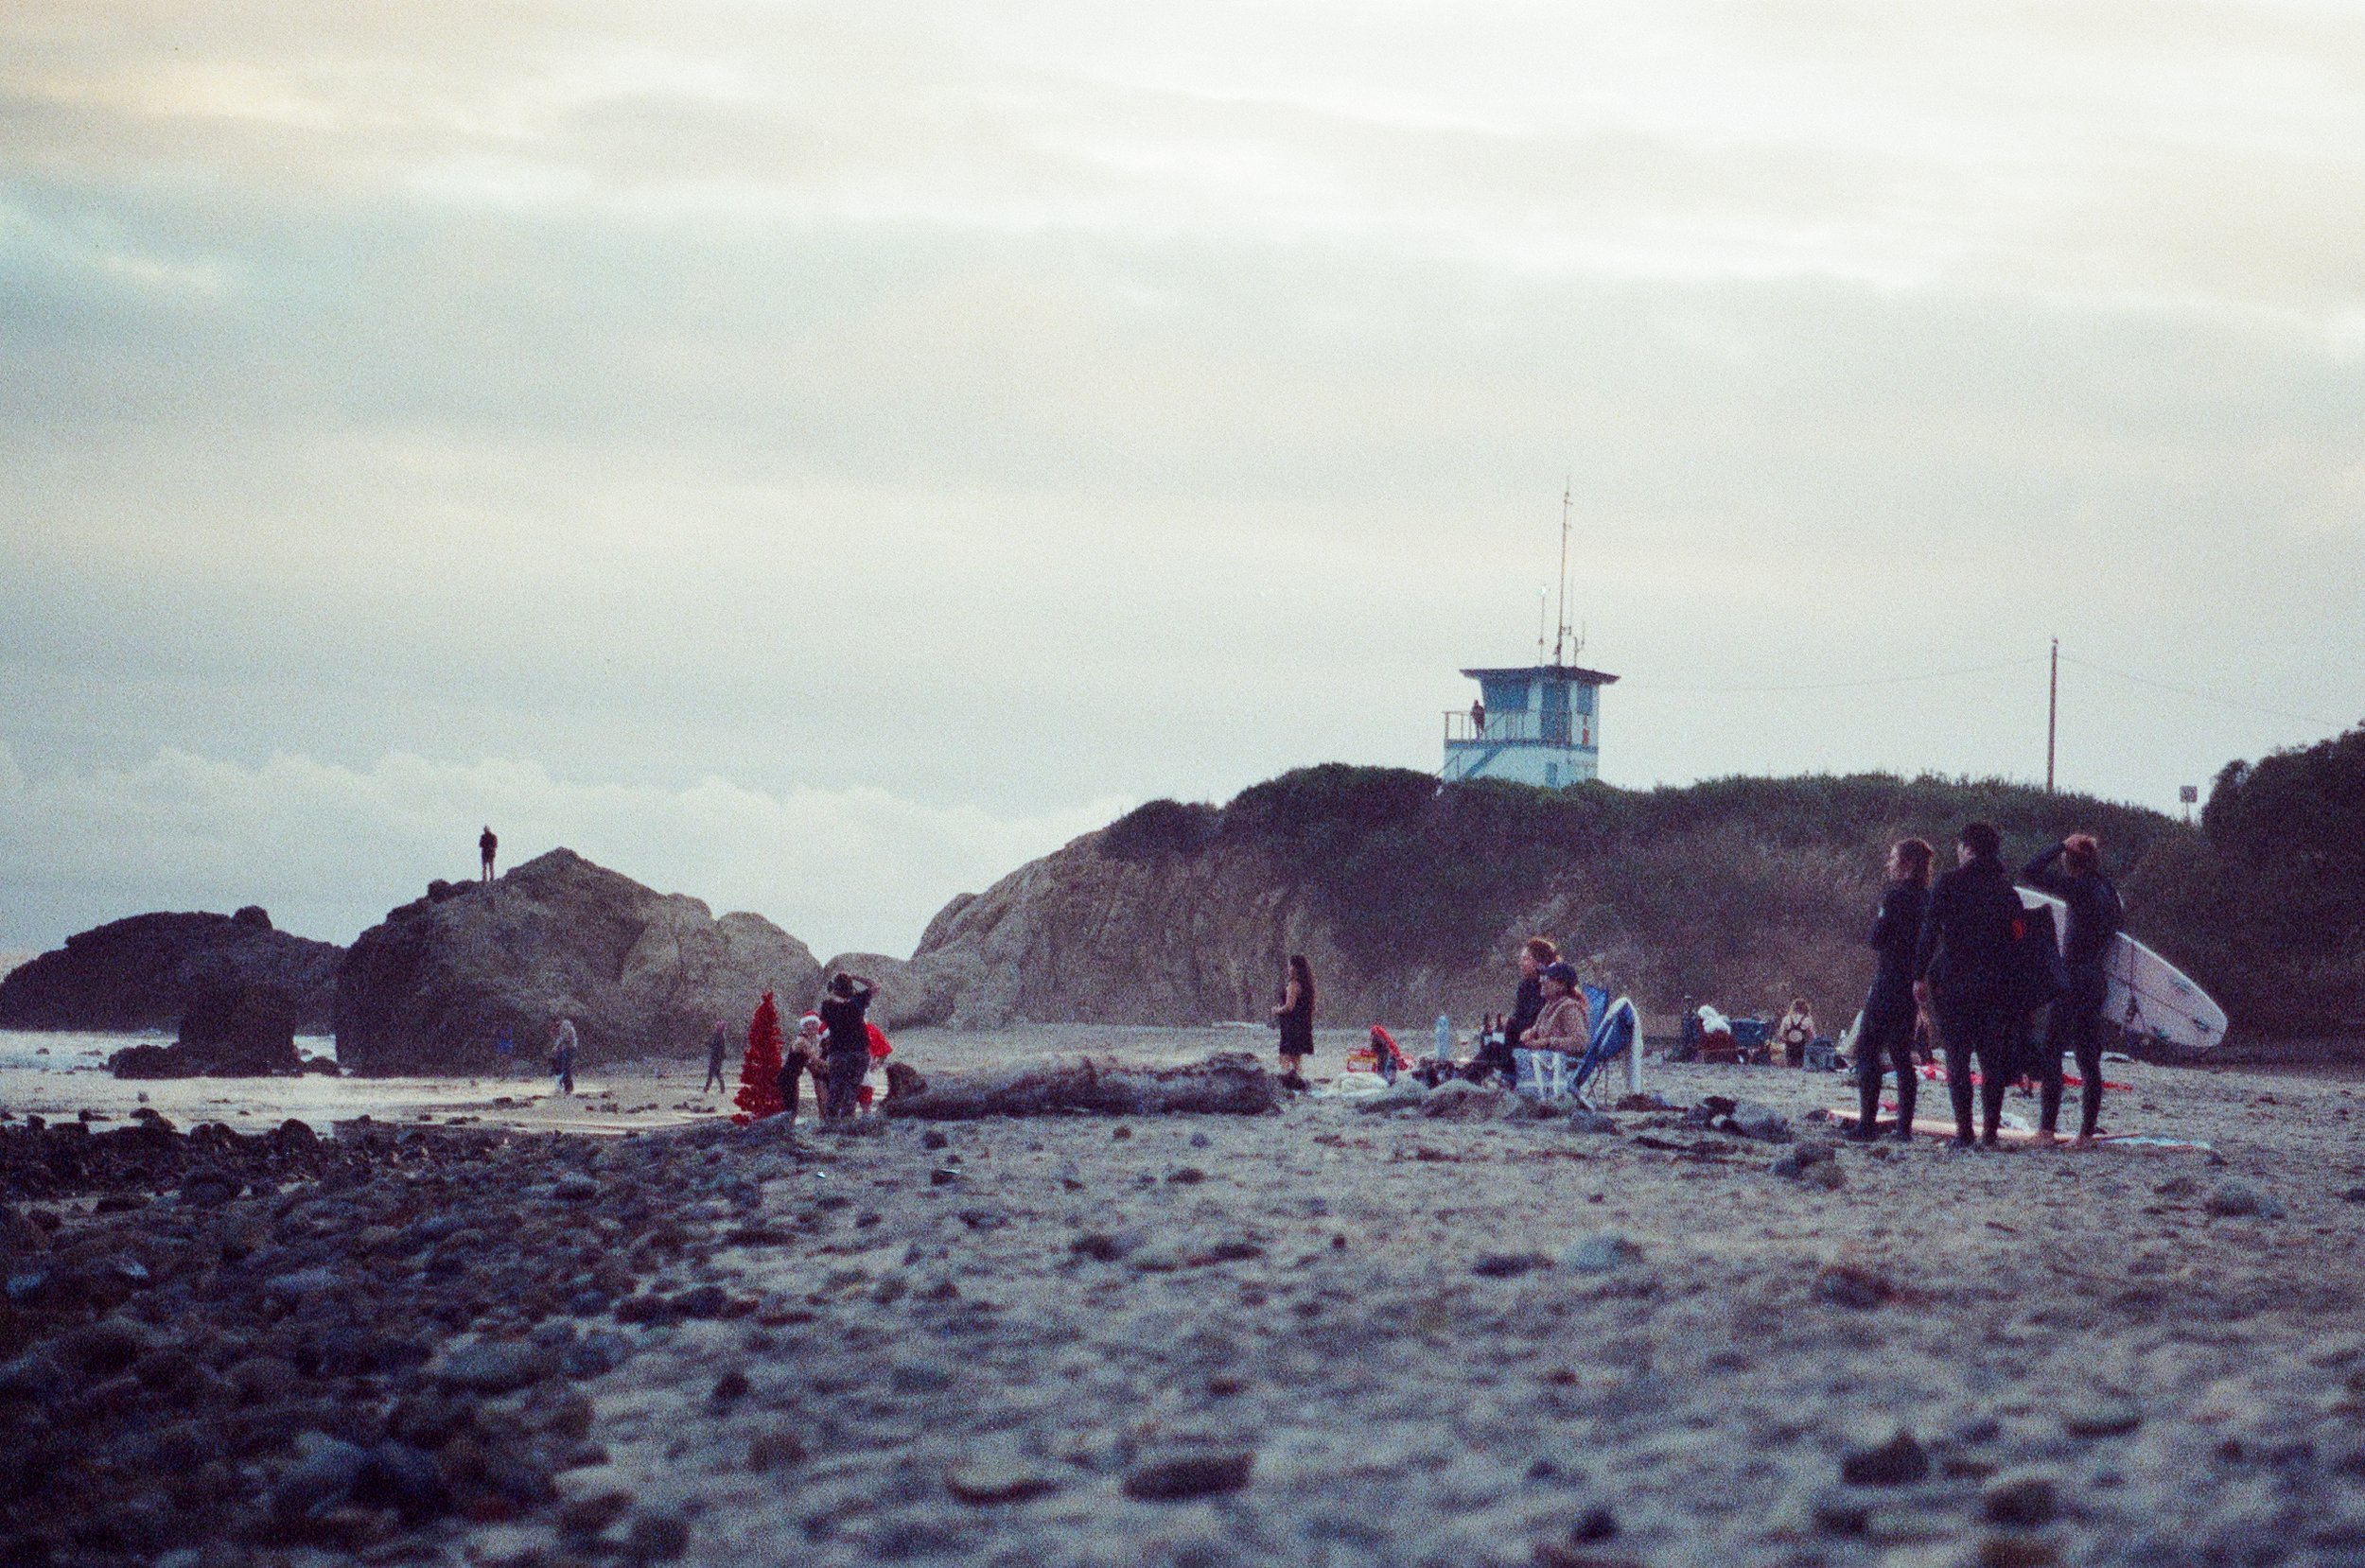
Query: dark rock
column 656, row 1538
column 2104, row 1417
column 1898, row 1462
column 777, row 1448
column 589, row 1516
column 2024, row 1499
column 210, row 1187
column 1600, row 1253
column 575, row 1187
column 1508, row 1266
column 640, row 972
column 1762, row 1123
column 321, row 1478
column 1854, row 1286
column 145, row 972
column 2234, row 1198
column 1581, row 1120
column 395, row 1475
column 1180, row 1475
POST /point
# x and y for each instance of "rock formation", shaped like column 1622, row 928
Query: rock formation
column 641, row 973
column 1409, row 901
column 244, row 1032
column 144, row 972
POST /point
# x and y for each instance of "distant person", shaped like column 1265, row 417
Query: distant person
column 1887, row 1034
column 1561, row 1024
column 486, row 847
column 1795, row 1032
column 1536, row 954
column 563, row 1047
column 846, row 1045
column 1477, row 716
column 1295, row 1018
column 804, row 1057
column 2071, row 872
column 1962, row 973
column 506, row 1047
column 717, row 1043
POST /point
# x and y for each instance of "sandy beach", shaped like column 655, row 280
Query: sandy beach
column 1330, row 1335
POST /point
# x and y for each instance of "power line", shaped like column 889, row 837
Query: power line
column 2240, row 707
column 1876, row 680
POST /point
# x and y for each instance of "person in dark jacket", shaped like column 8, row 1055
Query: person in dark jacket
column 1294, row 1018
column 1887, row 1034
column 846, row 1046
column 1962, row 973
column 717, row 1044
column 1536, row 954
column 2071, row 872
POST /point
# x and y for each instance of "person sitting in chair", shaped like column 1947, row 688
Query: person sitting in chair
column 1563, row 1025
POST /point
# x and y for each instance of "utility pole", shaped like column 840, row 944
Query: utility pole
column 2052, row 714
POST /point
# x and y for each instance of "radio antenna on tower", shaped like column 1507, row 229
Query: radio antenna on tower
column 1561, row 638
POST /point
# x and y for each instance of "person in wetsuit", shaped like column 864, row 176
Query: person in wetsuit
column 846, row 1046
column 2071, row 872
column 1294, row 1018
column 1536, row 954
column 1961, row 974
column 1886, row 1038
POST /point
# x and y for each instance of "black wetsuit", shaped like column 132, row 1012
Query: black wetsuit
column 1886, row 1035
column 1526, row 1007
column 2094, row 918
column 1963, row 952
column 846, row 1052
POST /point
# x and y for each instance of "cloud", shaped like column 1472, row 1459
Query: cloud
column 328, row 849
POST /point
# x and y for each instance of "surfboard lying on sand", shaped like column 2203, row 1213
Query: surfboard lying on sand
column 2149, row 998
column 1931, row 1126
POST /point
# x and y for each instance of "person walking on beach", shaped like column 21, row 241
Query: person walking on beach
column 2071, row 872
column 1962, row 973
column 1295, row 1018
column 717, row 1043
column 846, row 1046
column 486, row 844
column 1796, row 1030
column 1886, row 1035
column 563, row 1045
column 506, row 1048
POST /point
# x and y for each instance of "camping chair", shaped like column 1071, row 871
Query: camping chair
column 1620, row 1030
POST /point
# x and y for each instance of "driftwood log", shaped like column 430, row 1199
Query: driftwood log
column 1231, row 1082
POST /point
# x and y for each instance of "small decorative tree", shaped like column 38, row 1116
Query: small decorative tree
column 759, row 1093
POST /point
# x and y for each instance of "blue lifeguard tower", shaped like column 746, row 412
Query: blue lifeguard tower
column 1538, row 723
column 1541, row 724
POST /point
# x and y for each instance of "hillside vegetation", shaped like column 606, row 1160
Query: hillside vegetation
column 1738, row 891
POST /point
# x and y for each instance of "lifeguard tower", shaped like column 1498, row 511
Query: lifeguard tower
column 1538, row 724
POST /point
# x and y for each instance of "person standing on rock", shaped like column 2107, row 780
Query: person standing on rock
column 1295, row 1018
column 717, row 1043
column 2071, row 872
column 1887, row 1034
column 486, row 844
column 563, row 1045
column 847, row 1043
column 1962, row 971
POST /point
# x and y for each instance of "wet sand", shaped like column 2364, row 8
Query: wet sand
column 1331, row 1335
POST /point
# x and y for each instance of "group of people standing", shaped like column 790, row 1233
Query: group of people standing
column 1959, row 955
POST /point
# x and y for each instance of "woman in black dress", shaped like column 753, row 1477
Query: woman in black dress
column 1295, row 1016
column 1886, row 1038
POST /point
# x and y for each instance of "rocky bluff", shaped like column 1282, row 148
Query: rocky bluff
column 1409, row 898
column 641, row 972
column 145, row 972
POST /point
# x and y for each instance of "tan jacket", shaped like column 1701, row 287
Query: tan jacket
column 1559, row 1027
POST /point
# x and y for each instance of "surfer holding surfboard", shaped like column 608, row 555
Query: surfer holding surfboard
column 2071, row 872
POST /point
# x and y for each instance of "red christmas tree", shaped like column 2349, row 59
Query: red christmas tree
column 759, row 1072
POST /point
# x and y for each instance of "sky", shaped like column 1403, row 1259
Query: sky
column 818, row 457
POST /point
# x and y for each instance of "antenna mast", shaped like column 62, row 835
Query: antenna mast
column 1561, row 638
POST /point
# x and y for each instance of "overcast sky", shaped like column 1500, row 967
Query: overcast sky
column 816, row 461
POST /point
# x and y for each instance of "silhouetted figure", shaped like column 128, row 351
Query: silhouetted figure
column 486, row 846
column 1477, row 716
column 717, row 1043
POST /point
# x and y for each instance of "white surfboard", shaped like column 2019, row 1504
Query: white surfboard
column 2149, row 998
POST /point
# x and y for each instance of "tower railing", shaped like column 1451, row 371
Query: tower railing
column 1524, row 728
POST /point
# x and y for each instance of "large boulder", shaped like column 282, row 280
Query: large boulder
column 230, row 1033
column 641, row 973
column 145, row 972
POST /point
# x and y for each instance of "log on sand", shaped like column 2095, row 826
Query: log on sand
column 1231, row 1082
